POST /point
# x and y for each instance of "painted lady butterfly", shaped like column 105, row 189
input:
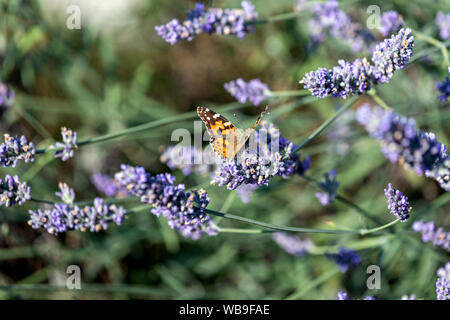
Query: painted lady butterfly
column 226, row 140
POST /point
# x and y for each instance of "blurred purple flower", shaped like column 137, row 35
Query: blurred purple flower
column 292, row 244
column 345, row 258
column 14, row 149
column 398, row 203
column 330, row 186
column 443, row 22
column 254, row 90
column 431, row 233
column 6, row 95
column 391, row 21
column 401, row 142
column 342, row 295
column 444, row 88
column 245, row 191
column 106, row 185
column 12, row 191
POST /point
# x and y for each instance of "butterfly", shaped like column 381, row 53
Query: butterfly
column 225, row 138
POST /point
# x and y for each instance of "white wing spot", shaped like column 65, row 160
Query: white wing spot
column 216, row 116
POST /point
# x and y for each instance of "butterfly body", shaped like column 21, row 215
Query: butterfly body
column 225, row 138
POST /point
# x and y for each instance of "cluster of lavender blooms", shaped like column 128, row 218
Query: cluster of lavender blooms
column 390, row 21
column 189, row 159
column 398, row 203
column 185, row 211
column 341, row 295
column 236, row 22
column 401, row 142
column 330, row 186
column 441, row 173
column 12, row 191
column 65, row 149
column 431, row 233
column 345, row 258
column 443, row 283
column 253, row 91
column 443, row 22
column 329, row 19
column 444, row 89
column 6, row 95
column 357, row 77
column 15, row 149
column 65, row 216
column 292, row 244
column 107, row 185
column 273, row 156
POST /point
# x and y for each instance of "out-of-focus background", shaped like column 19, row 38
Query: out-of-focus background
column 115, row 72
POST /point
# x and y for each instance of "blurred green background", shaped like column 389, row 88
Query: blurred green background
column 116, row 72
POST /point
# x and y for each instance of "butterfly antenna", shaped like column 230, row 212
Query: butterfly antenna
column 260, row 117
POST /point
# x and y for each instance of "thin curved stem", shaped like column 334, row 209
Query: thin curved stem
column 326, row 124
column 435, row 42
column 372, row 93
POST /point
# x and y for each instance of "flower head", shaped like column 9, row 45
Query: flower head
column 330, row 186
column 401, row 142
column 441, row 173
column 6, row 95
column 341, row 295
column 292, row 244
column 443, row 22
column 236, row 22
column 357, row 77
column 269, row 155
column 398, row 203
column 66, row 148
column 185, row 211
column 443, row 283
column 390, row 21
column 14, row 149
column 431, row 233
column 254, row 90
column 345, row 258
column 65, row 193
column 444, row 88
column 12, row 191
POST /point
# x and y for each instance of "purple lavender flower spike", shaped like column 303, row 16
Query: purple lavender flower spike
column 431, row 233
column 358, row 77
column 185, row 211
column 391, row 55
column 443, row 283
column 66, row 216
column 398, row 204
column 330, row 186
column 341, row 295
column 443, row 22
column 401, row 142
column 6, row 95
column 391, row 21
column 441, row 173
column 236, row 22
column 444, row 88
column 292, row 244
column 14, row 149
column 12, row 191
column 345, row 258
column 66, row 148
column 253, row 91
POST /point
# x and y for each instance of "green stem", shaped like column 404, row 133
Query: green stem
column 325, row 125
column 378, row 100
column 439, row 44
column 278, row 17
column 387, row 225
column 318, row 281
column 288, row 93
column 143, row 127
